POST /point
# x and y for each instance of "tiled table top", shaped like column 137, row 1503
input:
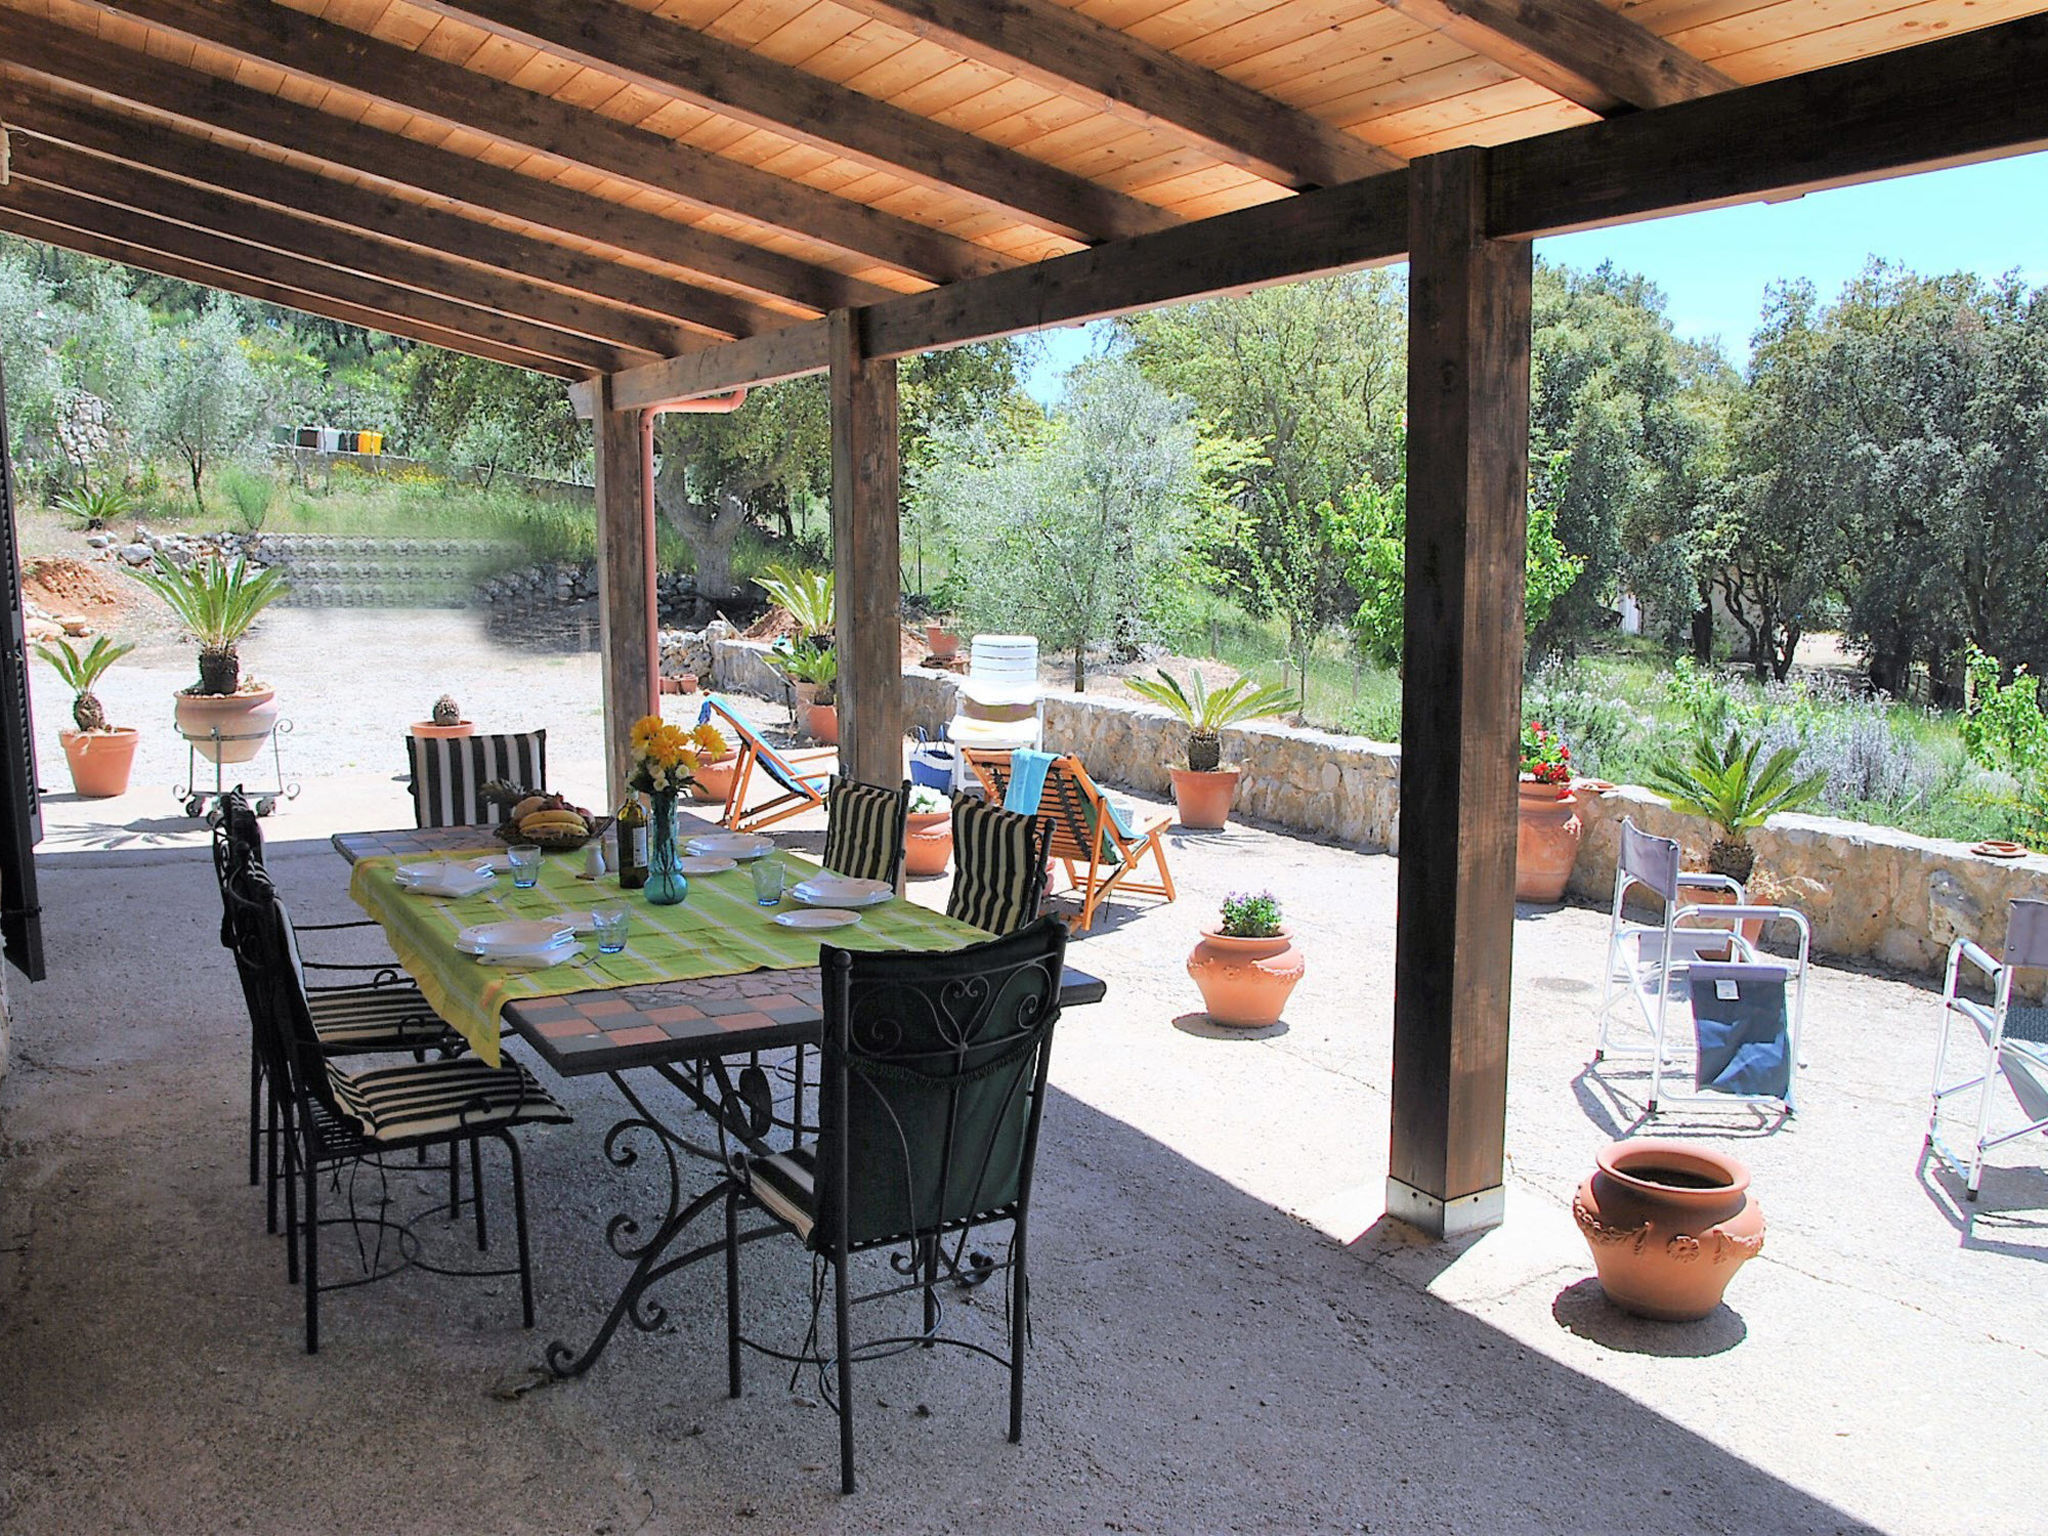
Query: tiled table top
column 616, row 1030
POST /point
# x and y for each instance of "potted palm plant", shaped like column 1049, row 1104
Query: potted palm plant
column 226, row 717
column 100, row 755
column 1204, row 790
column 815, row 671
column 1722, row 782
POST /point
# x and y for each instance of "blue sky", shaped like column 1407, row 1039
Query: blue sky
column 1713, row 266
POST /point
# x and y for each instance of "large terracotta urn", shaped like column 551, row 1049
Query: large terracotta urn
column 1246, row 982
column 100, row 761
column 927, row 842
column 1203, row 799
column 1669, row 1223
column 712, row 783
column 1546, row 840
column 244, row 721
column 822, row 722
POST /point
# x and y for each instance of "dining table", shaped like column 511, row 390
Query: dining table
column 701, row 1024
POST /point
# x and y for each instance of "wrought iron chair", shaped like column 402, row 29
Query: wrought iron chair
column 449, row 773
column 332, row 1117
column 1100, row 850
column 1745, row 1006
column 999, row 866
column 931, row 1085
column 864, row 826
column 382, row 1013
column 2013, row 1034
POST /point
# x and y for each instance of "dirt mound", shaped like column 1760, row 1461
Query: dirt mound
column 64, row 585
column 772, row 625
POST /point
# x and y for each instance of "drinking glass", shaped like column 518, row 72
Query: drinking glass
column 611, row 924
column 525, row 861
column 768, row 881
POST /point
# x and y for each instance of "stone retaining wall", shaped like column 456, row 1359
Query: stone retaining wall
column 1871, row 893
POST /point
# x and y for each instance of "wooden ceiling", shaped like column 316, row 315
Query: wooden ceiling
column 587, row 185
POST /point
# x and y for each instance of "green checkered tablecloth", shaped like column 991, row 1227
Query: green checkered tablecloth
column 717, row 931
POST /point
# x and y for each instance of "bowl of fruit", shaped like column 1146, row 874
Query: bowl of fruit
column 547, row 821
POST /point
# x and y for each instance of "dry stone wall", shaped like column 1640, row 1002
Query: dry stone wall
column 1871, row 893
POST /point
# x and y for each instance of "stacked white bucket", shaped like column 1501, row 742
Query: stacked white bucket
column 999, row 697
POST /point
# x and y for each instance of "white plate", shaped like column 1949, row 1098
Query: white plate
column 442, row 877
column 840, row 891
column 517, row 935
column 561, row 954
column 818, row 917
column 438, row 869
column 730, row 845
column 695, row 864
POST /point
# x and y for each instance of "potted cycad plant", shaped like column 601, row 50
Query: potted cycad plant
column 1247, row 964
column 1722, row 782
column 444, row 721
column 100, row 755
column 815, row 671
column 226, row 717
column 1204, row 790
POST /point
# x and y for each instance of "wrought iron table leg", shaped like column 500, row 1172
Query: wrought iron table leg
column 562, row 1357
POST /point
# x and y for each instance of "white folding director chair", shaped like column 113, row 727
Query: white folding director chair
column 2014, row 1036
column 1745, row 1007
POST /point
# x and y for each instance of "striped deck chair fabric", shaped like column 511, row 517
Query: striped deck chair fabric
column 864, row 827
column 1099, row 847
column 999, row 862
column 448, row 775
column 801, row 777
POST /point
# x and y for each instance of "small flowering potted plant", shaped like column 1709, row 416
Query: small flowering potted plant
column 927, row 832
column 1247, row 965
column 665, row 759
column 1547, row 827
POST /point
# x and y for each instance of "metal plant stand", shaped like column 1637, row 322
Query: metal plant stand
column 263, row 797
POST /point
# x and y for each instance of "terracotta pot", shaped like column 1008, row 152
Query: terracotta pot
column 1689, row 896
column 426, row 730
column 1203, row 798
column 100, row 760
column 1246, row 982
column 714, row 780
column 243, row 720
column 822, row 721
column 927, row 842
column 1546, row 841
column 686, row 683
column 941, row 641
column 1669, row 1223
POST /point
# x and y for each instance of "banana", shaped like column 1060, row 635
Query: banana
column 553, row 821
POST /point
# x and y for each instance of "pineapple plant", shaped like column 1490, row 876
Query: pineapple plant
column 80, row 672
column 447, row 711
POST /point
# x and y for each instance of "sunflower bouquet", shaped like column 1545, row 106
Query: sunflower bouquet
column 666, row 757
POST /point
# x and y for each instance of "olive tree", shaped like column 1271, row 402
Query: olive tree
column 208, row 398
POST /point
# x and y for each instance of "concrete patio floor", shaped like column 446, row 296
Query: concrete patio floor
column 1228, row 1334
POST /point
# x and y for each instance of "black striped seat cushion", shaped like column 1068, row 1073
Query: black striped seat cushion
column 785, row 1187
column 392, row 1017
column 426, row 1098
column 863, row 830
column 448, row 775
column 997, row 878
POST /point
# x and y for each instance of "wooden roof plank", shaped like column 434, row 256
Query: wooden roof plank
column 420, row 83
column 215, row 249
column 568, row 327
column 207, row 163
column 1075, row 55
column 392, row 321
column 665, row 57
column 74, row 58
column 1580, row 49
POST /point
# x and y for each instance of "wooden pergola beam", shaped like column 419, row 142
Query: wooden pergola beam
column 38, row 48
column 86, row 243
column 280, row 38
column 151, row 147
column 1959, row 99
column 674, row 60
column 1080, row 57
column 208, row 248
column 1580, row 49
column 612, row 332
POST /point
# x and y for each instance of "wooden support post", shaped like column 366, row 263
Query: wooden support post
column 1461, row 697
column 625, row 581
column 867, row 557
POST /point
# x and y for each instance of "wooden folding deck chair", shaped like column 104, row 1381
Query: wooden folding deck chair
column 802, row 786
column 1098, row 849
